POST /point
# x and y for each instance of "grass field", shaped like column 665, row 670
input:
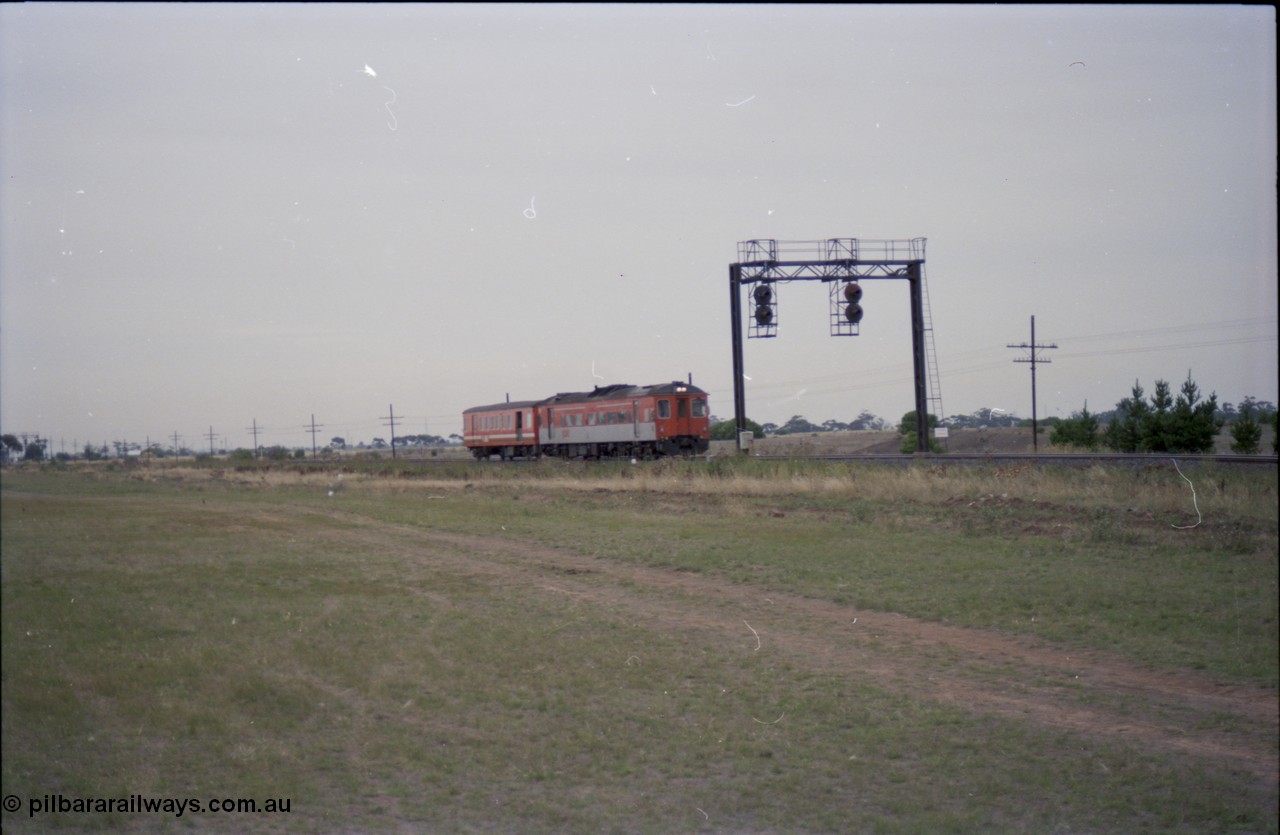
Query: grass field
column 732, row 646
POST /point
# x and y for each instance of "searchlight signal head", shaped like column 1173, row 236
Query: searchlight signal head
column 853, row 295
column 763, row 297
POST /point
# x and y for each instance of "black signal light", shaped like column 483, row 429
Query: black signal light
column 763, row 296
column 853, row 295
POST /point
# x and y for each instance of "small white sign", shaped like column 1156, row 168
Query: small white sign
column 940, row 432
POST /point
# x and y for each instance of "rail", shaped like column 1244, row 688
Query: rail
column 1044, row 458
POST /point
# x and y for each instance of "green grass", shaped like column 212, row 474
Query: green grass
column 211, row 639
column 1204, row 598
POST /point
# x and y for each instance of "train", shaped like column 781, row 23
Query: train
column 615, row 421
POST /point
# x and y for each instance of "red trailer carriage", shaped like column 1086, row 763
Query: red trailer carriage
column 508, row 430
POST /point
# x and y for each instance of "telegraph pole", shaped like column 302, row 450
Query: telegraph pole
column 392, row 419
column 176, row 438
column 1033, row 359
column 254, row 430
column 211, row 436
column 313, row 430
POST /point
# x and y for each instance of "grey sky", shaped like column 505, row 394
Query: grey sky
column 214, row 214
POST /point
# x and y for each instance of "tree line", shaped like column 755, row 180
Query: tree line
column 1165, row 423
column 1162, row 422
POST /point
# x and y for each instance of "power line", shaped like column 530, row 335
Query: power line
column 1209, row 344
column 1198, row 326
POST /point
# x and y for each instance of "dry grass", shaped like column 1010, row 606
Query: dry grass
column 1155, row 487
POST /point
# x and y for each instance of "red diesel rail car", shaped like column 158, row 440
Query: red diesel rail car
column 609, row 421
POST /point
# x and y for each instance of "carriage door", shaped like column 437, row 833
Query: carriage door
column 682, row 417
column 635, row 418
column 519, row 425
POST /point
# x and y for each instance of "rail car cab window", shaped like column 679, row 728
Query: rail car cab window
column 699, row 408
column 664, row 408
column 682, row 408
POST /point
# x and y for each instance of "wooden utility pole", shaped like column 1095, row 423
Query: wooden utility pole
column 392, row 420
column 1033, row 359
column 313, row 430
column 211, row 436
column 254, row 430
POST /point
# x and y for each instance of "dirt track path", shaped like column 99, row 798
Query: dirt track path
column 1083, row 691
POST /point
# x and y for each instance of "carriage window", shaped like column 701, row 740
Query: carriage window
column 682, row 408
column 664, row 408
column 699, row 408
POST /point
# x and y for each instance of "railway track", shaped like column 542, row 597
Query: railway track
column 1076, row 460
column 1042, row 459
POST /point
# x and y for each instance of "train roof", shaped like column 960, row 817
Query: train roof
column 623, row 390
column 616, row 391
column 502, row 407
